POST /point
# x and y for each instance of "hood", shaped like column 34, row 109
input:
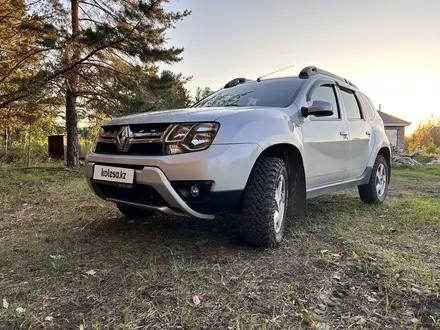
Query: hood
column 180, row 115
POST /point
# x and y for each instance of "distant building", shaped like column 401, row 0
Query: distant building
column 395, row 129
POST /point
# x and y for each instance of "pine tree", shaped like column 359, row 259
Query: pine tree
column 84, row 41
column 20, row 56
column 202, row 93
column 131, row 89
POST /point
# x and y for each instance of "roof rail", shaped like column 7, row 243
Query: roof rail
column 309, row 71
column 350, row 83
column 235, row 82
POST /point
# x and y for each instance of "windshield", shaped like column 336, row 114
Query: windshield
column 267, row 93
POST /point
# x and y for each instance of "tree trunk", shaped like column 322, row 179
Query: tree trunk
column 71, row 95
column 24, row 140
column 6, row 140
column 28, row 158
column 71, row 128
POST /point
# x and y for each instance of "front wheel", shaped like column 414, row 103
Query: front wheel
column 375, row 191
column 265, row 200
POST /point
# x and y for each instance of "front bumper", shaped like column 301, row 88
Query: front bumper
column 226, row 166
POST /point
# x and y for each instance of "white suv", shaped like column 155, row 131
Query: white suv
column 256, row 148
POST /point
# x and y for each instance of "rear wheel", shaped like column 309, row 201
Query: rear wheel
column 375, row 191
column 265, row 200
column 133, row 212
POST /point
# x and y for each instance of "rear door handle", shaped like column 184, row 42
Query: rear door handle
column 343, row 133
column 368, row 133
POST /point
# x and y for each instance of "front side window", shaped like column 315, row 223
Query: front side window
column 326, row 93
column 267, row 93
column 351, row 104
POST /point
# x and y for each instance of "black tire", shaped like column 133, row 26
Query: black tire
column 369, row 192
column 259, row 205
column 133, row 212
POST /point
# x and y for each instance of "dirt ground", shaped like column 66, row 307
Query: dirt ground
column 69, row 260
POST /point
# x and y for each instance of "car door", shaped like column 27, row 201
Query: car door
column 359, row 135
column 325, row 141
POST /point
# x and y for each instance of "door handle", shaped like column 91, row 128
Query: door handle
column 368, row 133
column 343, row 133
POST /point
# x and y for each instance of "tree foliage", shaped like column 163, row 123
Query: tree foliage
column 139, row 89
column 20, row 60
column 101, row 55
column 201, row 93
column 23, row 44
column 426, row 136
column 110, row 31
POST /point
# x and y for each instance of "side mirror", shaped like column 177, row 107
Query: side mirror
column 318, row 109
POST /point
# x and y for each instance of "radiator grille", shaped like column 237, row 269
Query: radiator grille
column 135, row 139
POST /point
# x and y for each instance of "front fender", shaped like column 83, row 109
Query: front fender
column 265, row 128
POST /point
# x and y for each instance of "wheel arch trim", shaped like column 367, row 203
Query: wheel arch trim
column 295, row 171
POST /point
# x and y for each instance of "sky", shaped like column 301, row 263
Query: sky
column 390, row 49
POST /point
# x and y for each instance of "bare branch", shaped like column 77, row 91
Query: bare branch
column 107, row 67
column 97, row 5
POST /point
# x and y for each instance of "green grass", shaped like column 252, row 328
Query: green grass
column 417, row 173
column 417, row 272
column 417, row 210
column 426, row 158
column 323, row 259
column 21, row 163
column 148, row 273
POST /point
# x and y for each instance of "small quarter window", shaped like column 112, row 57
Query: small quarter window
column 369, row 110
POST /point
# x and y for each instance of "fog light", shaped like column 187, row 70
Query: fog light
column 194, row 191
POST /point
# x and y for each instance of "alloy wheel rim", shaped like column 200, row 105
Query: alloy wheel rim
column 280, row 202
column 381, row 180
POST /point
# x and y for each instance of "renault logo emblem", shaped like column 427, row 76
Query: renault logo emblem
column 123, row 139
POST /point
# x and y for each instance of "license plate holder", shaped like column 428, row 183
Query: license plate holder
column 113, row 174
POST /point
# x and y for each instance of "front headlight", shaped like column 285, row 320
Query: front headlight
column 190, row 137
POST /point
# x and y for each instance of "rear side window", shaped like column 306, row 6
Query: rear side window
column 351, row 104
column 326, row 93
column 369, row 110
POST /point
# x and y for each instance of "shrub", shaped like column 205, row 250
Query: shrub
column 426, row 136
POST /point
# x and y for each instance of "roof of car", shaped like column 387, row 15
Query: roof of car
column 305, row 73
